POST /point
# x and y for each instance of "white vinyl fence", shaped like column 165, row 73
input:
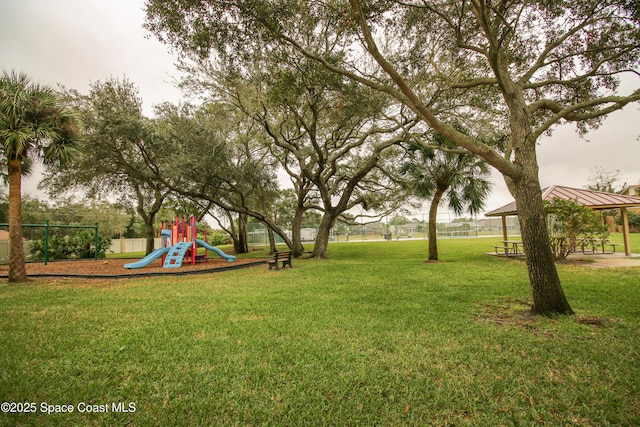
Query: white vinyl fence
column 123, row 246
column 4, row 249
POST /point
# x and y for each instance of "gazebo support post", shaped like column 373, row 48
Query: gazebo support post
column 625, row 231
column 504, row 228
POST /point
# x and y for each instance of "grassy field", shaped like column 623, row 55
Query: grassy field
column 370, row 336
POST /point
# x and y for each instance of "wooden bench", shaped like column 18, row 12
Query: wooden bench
column 280, row 257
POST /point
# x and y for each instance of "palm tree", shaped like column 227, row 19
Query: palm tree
column 445, row 172
column 33, row 124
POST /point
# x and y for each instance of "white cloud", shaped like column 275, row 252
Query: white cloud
column 77, row 42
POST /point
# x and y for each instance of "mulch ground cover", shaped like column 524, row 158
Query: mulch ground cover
column 115, row 268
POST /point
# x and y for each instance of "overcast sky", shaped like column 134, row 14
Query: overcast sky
column 77, row 42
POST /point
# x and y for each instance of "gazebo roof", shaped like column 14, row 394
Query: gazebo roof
column 589, row 198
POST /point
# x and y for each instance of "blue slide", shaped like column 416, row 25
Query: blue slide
column 229, row 258
column 148, row 259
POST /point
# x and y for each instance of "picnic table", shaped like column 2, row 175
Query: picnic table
column 510, row 248
column 595, row 246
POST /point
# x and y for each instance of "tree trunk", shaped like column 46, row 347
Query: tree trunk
column 322, row 238
column 241, row 242
column 272, row 240
column 150, row 233
column 433, row 222
column 296, row 238
column 149, row 218
column 548, row 296
column 17, row 271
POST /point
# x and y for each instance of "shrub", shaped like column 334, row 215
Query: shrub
column 218, row 238
column 572, row 224
column 634, row 220
column 77, row 245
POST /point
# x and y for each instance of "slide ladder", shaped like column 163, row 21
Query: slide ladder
column 176, row 254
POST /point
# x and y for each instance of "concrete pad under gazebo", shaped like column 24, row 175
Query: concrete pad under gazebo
column 596, row 200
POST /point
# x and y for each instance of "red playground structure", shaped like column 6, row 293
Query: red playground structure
column 184, row 231
column 180, row 243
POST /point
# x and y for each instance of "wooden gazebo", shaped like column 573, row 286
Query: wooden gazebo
column 597, row 200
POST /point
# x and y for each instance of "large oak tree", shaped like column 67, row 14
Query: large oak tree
column 217, row 158
column 120, row 147
column 330, row 136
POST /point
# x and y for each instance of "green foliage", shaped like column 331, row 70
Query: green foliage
column 35, row 211
column 78, row 245
column 435, row 165
column 114, row 163
column 633, row 217
column 572, row 224
column 218, row 238
column 284, row 207
column 34, row 122
column 111, row 217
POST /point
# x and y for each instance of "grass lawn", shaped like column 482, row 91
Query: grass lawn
column 370, row 336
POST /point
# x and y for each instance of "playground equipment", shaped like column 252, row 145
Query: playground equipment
column 180, row 243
